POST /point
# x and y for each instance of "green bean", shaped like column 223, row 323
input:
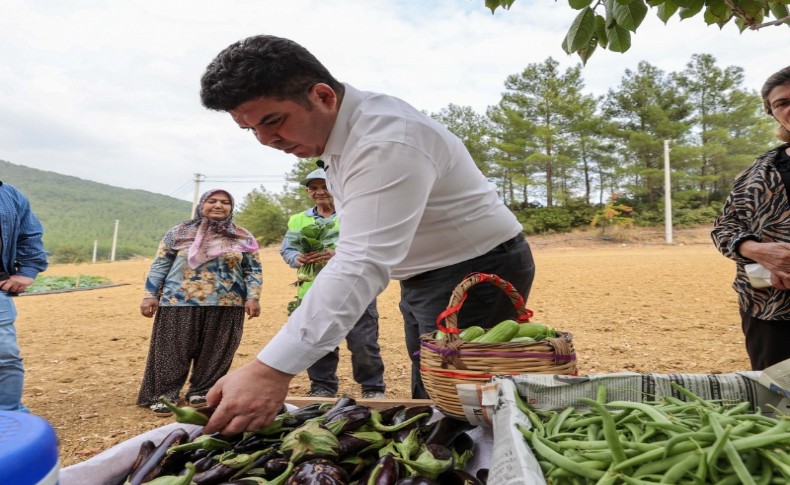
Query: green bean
column 655, row 454
column 607, row 479
column 546, row 466
column 729, row 480
column 533, row 418
column 604, row 455
column 609, row 430
column 648, row 434
column 680, row 468
column 600, row 394
column 653, row 413
column 781, row 464
column 738, row 408
column 634, row 481
column 594, row 432
column 555, row 430
column 668, row 427
column 660, row 467
column 712, row 454
column 760, row 440
column 699, row 437
column 729, row 450
column 592, row 464
column 541, row 446
column 576, row 423
column 583, row 445
column 691, row 395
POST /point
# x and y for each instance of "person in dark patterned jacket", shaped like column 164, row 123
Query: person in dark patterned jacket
column 755, row 228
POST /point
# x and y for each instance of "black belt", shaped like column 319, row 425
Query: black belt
column 510, row 243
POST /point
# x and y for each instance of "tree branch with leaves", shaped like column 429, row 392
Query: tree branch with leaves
column 608, row 24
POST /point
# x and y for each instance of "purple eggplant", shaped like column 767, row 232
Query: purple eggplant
column 226, row 468
column 153, row 464
column 458, row 477
column 308, row 412
column 275, row 466
column 254, row 443
column 482, row 475
column 347, row 419
column 385, row 471
column 406, row 414
column 206, row 462
column 318, row 472
column 342, row 402
column 388, row 413
column 416, row 481
column 445, row 430
column 359, row 442
column 146, row 448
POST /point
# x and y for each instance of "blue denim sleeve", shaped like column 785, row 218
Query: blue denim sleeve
column 288, row 252
column 30, row 258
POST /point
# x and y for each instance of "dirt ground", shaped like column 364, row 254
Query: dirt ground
column 632, row 303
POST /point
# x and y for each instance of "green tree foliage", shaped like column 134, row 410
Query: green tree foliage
column 558, row 147
column 608, row 24
column 77, row 212
column 261, row 214
column 266, row 215
column 730, row 126
column 647, row 109
column 541, row 104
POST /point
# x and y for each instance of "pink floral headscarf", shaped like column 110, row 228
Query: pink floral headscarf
column 208, row 239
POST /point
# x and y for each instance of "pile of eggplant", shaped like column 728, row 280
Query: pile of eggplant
column 321, row 444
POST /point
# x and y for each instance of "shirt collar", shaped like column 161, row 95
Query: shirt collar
column 340, row 131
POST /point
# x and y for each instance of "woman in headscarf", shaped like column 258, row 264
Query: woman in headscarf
column 755, row 228
column 206, row 276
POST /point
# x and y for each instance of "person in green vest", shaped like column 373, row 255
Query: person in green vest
column 366, row 362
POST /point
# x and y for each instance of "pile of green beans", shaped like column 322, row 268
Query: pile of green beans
column 669, row 440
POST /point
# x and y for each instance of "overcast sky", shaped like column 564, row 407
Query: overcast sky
column 108, row 90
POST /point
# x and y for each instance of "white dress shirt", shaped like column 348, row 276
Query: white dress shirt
column 411, row 200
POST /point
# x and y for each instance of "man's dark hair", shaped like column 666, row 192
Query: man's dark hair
column 779, row 78
column 262, row 66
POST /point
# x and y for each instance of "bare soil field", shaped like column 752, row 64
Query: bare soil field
column 632, row 302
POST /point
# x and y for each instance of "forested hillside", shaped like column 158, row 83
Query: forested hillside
column 76, row 212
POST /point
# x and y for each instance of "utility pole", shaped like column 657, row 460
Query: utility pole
column 114, row 241
column 95, row 247
column 667, row 196
column 199, row 177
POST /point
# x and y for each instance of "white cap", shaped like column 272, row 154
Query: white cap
column 315, row 174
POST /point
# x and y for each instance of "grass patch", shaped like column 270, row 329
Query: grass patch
column 51, row 283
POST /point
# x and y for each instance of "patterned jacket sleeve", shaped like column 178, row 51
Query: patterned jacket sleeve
column 732, row 227
column 251, row 266
column 160, row 267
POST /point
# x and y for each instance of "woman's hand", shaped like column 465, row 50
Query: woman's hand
column 252, row 308
column 774, row 256
column 148, row 307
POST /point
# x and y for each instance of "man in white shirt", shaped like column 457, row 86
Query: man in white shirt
column 414, row 207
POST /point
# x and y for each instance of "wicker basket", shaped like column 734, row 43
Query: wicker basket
column 447, row 362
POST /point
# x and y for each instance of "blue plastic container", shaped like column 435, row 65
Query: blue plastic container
column 28, row 450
